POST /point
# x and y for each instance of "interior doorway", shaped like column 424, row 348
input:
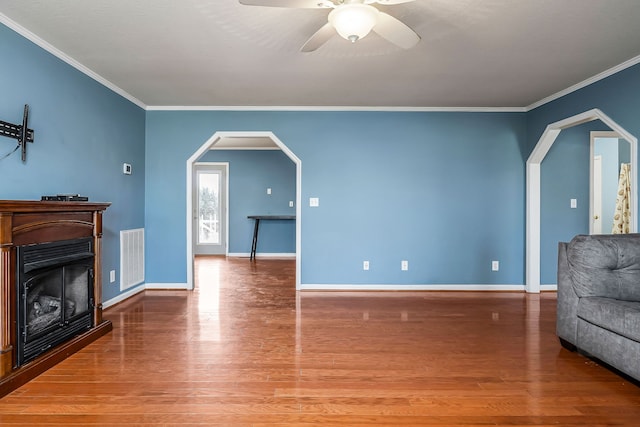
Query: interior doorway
column 223, row 138
column 608, row 153
column 551, row 132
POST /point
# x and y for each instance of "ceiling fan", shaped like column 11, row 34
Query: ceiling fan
column 352, row 19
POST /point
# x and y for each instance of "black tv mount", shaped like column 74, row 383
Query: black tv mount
column 20, row 132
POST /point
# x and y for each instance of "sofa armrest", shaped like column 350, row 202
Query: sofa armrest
column 567, row 306
column 605, row 265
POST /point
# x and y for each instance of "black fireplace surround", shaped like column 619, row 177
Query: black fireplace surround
column 55, row 294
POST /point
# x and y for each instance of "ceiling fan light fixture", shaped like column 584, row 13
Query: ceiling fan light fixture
column 353, row 21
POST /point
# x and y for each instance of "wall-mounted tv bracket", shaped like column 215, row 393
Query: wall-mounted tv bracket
column 20, row 132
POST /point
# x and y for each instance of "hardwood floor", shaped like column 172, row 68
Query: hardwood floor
column 245, row 350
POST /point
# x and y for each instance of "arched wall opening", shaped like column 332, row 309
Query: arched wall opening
column 549, row 136
column 215, row 138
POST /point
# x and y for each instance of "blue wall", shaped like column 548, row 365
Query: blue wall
column 250, row 174
column 564, row 176
column 624, row 152
column 444, row 191
column 83, row 134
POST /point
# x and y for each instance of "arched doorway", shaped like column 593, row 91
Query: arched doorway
column 532, row 280
column 215, row 138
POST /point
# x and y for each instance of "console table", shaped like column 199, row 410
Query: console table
column 257, row 218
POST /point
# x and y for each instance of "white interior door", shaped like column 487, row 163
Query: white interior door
column 210, row 194
column 597, row 196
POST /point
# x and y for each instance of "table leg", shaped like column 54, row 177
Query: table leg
column 254, row 243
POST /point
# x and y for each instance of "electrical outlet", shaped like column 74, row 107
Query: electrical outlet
column 495, row 265
column 112, row 276
column 268, row 191
column 574, row 203
column 404, row 265
column 314, row 202
column 365, row 265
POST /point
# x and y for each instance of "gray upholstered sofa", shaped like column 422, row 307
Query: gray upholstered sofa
column 599, row 299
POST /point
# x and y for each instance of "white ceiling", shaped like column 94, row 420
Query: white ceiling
column 473, row 53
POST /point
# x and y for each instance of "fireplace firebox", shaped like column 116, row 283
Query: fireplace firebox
column 50, row 285
column 55, row 295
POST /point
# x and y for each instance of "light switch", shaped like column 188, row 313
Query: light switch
column 314, row 202
column 574, row 203
column 268, row 190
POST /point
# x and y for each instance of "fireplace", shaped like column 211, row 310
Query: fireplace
column 55, row 295
column 50, row 285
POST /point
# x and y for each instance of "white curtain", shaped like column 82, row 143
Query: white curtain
column 622, row 215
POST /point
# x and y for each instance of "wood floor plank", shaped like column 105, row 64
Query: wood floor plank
column 245, row 349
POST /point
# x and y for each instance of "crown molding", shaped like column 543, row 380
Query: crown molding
column 337, row 109
column 69, row 60
column 98, row 78
column 591, row 80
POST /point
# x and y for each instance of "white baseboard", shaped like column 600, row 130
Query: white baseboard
column 344, row 287
column 143, row 287
column 166, row 286
column 123, row 296
column 263, row 255
column 417, row 287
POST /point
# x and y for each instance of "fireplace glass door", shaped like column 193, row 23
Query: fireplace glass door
column 55, row 296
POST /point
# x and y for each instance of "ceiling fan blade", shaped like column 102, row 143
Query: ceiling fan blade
column 396, row 31
column 319, row 38
column 296, row 4
column 393, row 1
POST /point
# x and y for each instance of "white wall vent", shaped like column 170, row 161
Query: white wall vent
column 131, row 258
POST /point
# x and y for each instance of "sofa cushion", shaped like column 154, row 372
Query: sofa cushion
column 621, row 317
column 605, row 266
